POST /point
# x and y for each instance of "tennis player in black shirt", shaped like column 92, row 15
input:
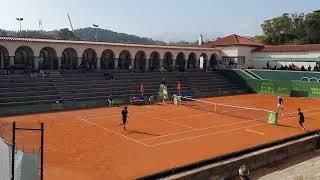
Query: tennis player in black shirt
column 301, row 118
column 124, row 113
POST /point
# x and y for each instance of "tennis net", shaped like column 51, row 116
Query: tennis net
column 247, row 113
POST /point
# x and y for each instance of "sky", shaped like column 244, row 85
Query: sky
column 166, row 20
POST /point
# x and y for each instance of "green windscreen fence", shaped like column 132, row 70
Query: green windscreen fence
column 285, row 75
column 33, row 108
column 288, row 88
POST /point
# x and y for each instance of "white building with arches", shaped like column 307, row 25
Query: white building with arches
column 229, row 52
column 51, row 54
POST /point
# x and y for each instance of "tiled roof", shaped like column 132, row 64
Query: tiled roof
column 104, row 43
column 289, row 48
column 233, row 40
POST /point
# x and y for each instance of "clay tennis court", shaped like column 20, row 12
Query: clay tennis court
column 91, row 144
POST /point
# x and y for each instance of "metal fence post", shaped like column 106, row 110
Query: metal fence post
column 13, row 149
column 42, row 138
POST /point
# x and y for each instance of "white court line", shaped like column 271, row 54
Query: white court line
column 106, row 129
column 169, row 121
column 211, row 127
column 256, row 132
column 111, row 114
column 203, row 135
column 131, row 112
column 191, row 116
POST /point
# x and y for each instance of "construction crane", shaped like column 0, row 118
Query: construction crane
column 40, row 25
column 70, row 22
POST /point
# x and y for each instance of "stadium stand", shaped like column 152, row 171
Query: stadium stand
column 74, row 86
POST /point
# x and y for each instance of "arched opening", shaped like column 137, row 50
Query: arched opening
column 48, row 59
column 4, row 57
column 213, row 63
column 203, row 61
column 124, row 60
column 89, row 59
column 24, row 57
column 167, row 61
column 107, row 59
column 192, row 61
column 69, row 59
column 180, row 62
column 154, row 61
column 140, row 61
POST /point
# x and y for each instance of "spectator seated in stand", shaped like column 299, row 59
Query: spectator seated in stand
column 309, row 68
column 275, row 67
column 138, row 99
column 11, row 69
column 6, row 69
column 42, row 74
column 108, row 76
column 302, row 68
column 162, row 70
column 33, row 73
column 316, row 68
column 130, row 68
column 268, row 65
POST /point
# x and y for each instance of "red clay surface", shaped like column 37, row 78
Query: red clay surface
column 91, row 144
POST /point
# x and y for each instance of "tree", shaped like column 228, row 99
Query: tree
column 283, row 29
column 66, row 34
column 291, row 29
column 312, row 27
column 3, row 33
column 33, row 34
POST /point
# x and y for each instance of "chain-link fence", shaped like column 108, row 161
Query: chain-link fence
column 21, row 151
column 5, row 150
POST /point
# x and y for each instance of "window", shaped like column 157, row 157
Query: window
column 234, row 60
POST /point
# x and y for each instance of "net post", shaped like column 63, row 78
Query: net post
column 42, row 139
column 215, row 107
column 13, row 149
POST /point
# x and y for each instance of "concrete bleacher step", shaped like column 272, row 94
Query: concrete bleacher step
column 28, row 98
column 71, row 86
column 27, row 93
